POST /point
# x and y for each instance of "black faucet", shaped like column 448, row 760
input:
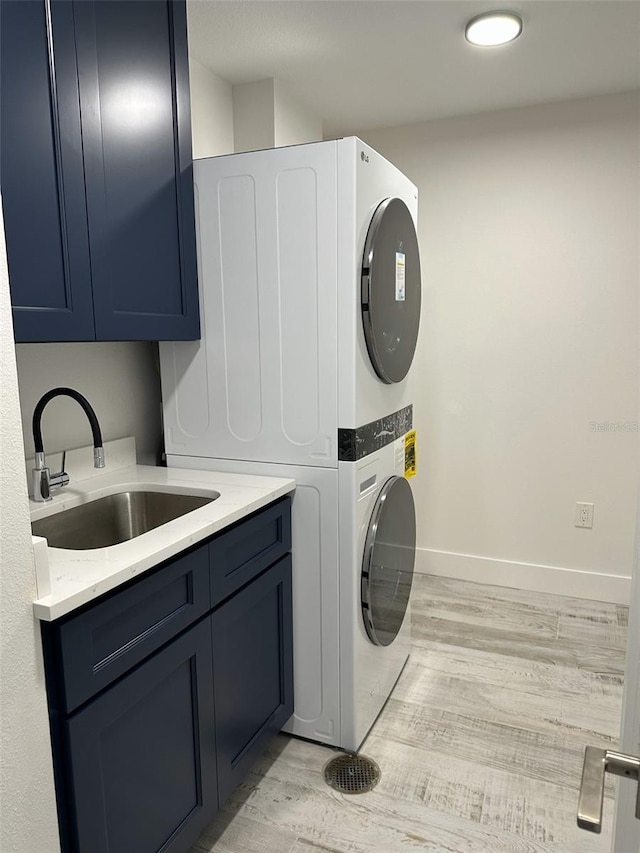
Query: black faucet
column 43, row 480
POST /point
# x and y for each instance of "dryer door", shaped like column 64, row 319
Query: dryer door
column 391, row 290
column 387, row 567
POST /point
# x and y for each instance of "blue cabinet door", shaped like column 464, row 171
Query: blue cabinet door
column 142, row 766
column 96, row 170
column 42, row 175
column 253, row 672
column 136, row 126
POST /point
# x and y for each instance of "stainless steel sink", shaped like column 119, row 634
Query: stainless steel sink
column 115, row 518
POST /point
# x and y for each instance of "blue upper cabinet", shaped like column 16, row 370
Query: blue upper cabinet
column 96, row 170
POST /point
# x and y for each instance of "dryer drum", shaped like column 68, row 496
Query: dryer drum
column 387, row 566
column 391, row 290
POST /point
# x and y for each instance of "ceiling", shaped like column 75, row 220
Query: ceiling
column 361, row 64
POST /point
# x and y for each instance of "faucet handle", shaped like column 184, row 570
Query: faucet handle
column 40, row 482
column 44, row 492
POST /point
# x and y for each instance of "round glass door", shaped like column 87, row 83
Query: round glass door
column 391, row 290
column 387, row 567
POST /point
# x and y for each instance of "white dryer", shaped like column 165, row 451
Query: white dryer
column 310, row 295
column 353, row 554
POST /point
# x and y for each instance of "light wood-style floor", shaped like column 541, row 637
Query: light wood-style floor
column 480, row 745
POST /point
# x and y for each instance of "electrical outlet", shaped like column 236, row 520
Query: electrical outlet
column 584, row 515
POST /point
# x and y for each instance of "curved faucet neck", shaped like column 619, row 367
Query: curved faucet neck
column 87, row 408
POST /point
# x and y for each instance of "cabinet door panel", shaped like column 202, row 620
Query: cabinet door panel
column 133, row 72
column 42, row 174
column 142, row 756
column 253, row 672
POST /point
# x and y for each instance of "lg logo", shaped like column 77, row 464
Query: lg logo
column 364, row 157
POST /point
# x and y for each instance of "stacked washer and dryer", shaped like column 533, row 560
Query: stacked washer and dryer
column 310, row 304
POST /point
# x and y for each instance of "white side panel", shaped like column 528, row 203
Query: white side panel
column 365, row 179
column 235, row 219
column 297, row 192
column 300, row 303
column 348, row 284
column 184, row 376
column 316, row 630
column 315, row 592
column 261, row 385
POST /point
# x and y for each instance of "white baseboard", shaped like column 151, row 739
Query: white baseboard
column 573, row 582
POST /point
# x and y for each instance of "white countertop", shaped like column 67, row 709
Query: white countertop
column 68, row 579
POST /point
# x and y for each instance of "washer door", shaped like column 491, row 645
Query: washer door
column 391, row 290
column 387, row 567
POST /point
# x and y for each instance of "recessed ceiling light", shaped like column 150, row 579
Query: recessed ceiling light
column 493, row 28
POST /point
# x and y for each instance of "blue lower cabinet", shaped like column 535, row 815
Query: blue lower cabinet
column 163, row 693
column 253, row 672
column 142, row 757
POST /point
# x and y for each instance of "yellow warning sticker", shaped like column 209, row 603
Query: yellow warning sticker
column 410, row 467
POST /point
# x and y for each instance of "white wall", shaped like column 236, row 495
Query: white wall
column 253, row 115
column 528, row 225
column 27, row 801
column 211, row 112
column 266, row 114
column 295, row 123
column 120, row 380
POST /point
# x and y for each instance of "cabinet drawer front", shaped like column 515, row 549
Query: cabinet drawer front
column 246, row 550
column 141, row 757
column 253, row 672
column 105, row 641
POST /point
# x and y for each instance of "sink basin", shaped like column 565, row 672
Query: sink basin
column 115, row 518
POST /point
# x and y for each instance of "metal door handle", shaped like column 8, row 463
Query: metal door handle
column 597, row 762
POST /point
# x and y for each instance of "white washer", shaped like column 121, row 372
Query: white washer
column 377, row 553
column 309, row 275
column 343, row 675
